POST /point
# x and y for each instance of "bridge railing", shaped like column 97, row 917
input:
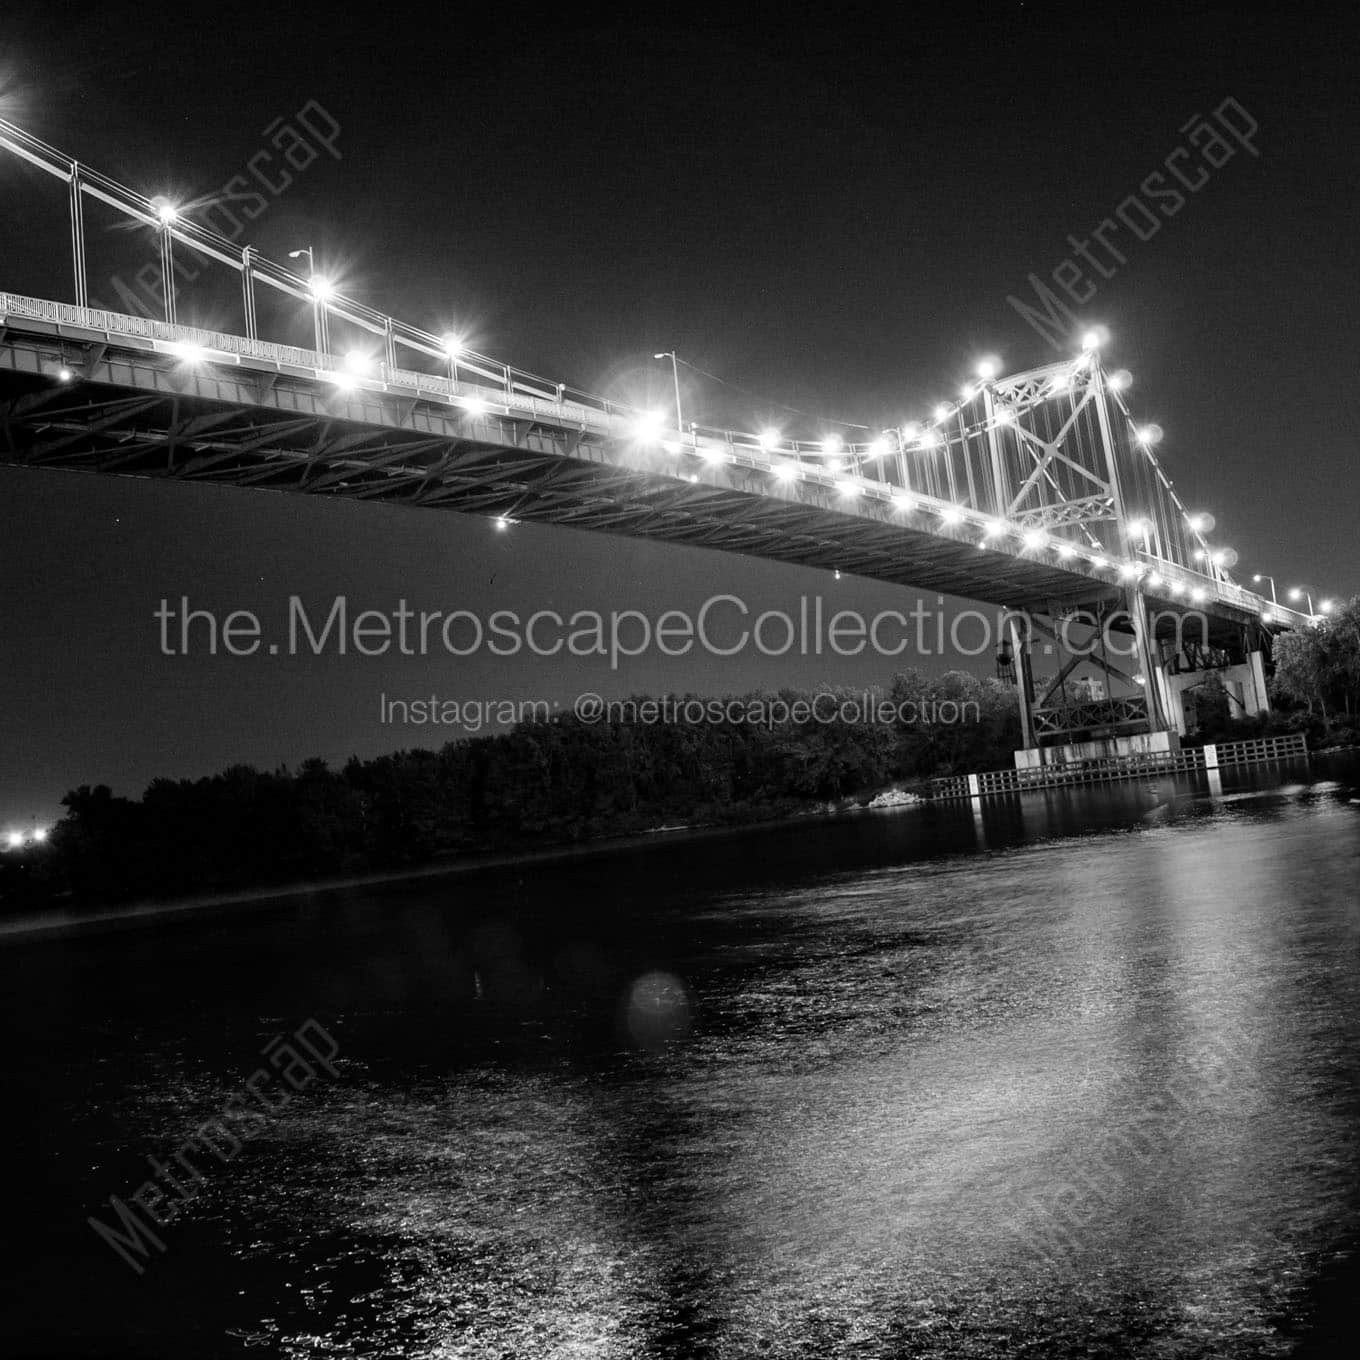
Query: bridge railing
column 1110, row 769
column 1171, row 528
column 496, row 384
column 1256, row 750
column 147, row 328
column 504, row 388
column 511, row 392
column 510, row 386
column 1228, row 592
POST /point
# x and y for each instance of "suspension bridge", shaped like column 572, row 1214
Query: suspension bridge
column 1033, row 491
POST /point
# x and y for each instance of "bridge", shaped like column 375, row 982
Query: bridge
column 1033, row 491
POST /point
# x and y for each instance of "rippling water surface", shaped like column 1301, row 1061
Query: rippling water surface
column 1071, row 1075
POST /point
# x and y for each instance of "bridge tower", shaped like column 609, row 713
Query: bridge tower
column 1034, row 492
column 1064, row 459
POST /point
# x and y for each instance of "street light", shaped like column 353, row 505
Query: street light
column 675, row 378
column 321, row 290
column 1303, row 593
column 189, row 352
column 1261, row 576
column 647, row 426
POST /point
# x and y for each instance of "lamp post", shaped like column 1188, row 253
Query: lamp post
column 1302, row 592
column 248, row 291
column 675, row 378
column 1261, row 576
column 320, row 288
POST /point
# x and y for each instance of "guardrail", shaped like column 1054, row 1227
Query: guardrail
column 503, row 384
column 1109, row 769
column 510, row 392
column 515, row 387
column 1256, row 751
column 505, row 387
column 505, row 393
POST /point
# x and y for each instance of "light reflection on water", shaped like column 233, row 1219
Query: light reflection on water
column 947, row 1084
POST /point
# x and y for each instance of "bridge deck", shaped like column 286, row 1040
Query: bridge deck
column 253, row 414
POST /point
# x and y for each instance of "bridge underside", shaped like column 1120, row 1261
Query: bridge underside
column 137, row 411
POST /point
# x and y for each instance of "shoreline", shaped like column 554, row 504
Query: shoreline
column 34, row 926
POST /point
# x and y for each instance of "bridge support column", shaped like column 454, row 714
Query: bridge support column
column 1244, row 683
column 1261, row 696
column 248, row 292
column 78, row 238
column 1170, row 701
column 168, row 272
column 1148, row 662
column 1024, row 681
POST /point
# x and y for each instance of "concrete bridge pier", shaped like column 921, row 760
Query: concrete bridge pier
column 1057, row 730
column 1166, row 684
column 1185, row 672
column 1024, row 679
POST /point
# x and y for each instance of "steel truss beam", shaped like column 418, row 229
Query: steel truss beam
column 140, row 412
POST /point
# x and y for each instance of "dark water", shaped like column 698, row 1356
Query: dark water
column 1074, row 1075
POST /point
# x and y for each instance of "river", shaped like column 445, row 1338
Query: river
column 1068, row 1074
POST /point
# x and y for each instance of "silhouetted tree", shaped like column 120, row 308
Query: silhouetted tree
column 544, row 781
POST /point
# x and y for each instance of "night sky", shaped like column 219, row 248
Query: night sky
column 829, row 216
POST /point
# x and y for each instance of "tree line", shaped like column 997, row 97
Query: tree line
column 560, row 780
column 1314, row 687
column 554, row 780
column 1318, row 668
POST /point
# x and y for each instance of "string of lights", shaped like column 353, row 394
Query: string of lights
column 934, row 459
